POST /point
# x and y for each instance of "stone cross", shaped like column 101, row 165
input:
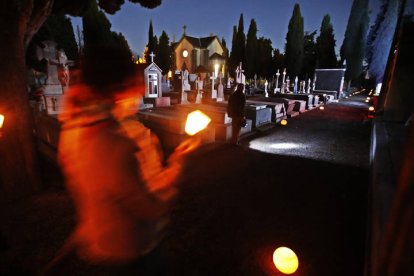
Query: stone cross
column 152, row 57
column 239, row 74
column 277, row 80
column 266, row 94
column 283, row 81
column 213, row 92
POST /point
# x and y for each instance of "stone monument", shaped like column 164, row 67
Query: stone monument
column 266, row 94
column 277, row 82
column 220, row 88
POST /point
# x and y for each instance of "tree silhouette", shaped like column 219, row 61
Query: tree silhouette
column 380, row 38
column 152, row 43
column 353, row 47
column 233, row 60
column 309, row 58
column 164, row 60
column 294, row 43
column 251, row 50
column 326, row 57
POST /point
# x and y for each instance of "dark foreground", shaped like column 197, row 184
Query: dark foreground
column 236, row 206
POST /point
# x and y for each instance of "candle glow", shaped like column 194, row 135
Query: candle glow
column 196, row 121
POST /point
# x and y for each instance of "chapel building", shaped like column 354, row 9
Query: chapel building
column 199, row 55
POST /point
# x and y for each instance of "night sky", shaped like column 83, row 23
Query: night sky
column 203, row 17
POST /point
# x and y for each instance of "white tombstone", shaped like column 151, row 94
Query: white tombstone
column 213, row 91
column 186, row 84
column 288, row 85
column 309, row 86
column 228, row 82
column 240, row 77
column 265, row 92
column 220, row 88
column 199, row 86
column 295, row 87
column 57, row 76
column 277, row 82
column 283, row 89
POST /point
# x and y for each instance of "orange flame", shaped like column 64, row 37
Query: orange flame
column 1, row 120
column 196, row 121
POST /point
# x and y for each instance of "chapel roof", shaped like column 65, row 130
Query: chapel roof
column 198, row 42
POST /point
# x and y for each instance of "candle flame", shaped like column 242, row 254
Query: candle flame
column 196, row 121
column 285, row 260
column 1, row 120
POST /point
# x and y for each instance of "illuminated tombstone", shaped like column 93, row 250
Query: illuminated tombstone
column 285, row 260
column 196, row 121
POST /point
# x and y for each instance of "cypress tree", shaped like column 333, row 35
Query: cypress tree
column 96, row 28
column 225, row 53
column 251, row 50
column 309, row 58
column 294, row 43
column 152, row 43
column 264, row 47
column 326, row 57
column 164, row 53
column 353, row 47
column 381, row 37
column 234, row 53
column 241, row 42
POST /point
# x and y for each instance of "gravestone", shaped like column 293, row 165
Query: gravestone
column 220, row 88
column 278, row 109
column 265, row 91
column 277, row 82
column 199, row 86
column 283, row 88
column 57, row 77
column 295, row 86
column 213, row 91
column 240, row 77
column 309, row 86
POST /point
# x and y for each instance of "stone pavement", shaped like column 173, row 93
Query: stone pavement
column 303, row 186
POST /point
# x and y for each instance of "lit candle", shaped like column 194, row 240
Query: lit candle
column 196, row 121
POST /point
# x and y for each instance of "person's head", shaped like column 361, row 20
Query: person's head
column 239, row 87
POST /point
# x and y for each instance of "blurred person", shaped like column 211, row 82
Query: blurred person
column 235, row 110
column 112, row 167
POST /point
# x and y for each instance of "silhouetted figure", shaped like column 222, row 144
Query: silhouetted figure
column 112, row 167
column 235, row 110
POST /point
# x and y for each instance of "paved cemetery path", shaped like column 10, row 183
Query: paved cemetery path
column 303, row 186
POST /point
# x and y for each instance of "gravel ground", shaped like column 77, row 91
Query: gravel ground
column 303, row 186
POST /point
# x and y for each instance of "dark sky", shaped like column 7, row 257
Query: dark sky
column 203, row 17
